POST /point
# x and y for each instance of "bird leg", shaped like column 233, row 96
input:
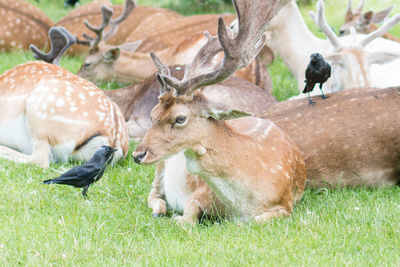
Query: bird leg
column 310, row 102
column 85, row 189
column 323, row 95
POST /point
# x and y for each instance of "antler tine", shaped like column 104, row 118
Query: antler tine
column 320, row 20
column 114, row 24
column 360, row 7
column 381, row 31
column 238, row 52
column 160, row 66
column 107, row 14
column 61, row 39
column 349, row 9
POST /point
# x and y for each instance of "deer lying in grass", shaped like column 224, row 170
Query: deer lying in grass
column 351, row 63
column 354, row 142
column 51, row 114
column 124, row 64
column 293, row 41
column 365, row 23
column 220, row 151
column 120, row 28
column 22, row 24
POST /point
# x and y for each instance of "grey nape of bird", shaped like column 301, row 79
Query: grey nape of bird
column 88, row 173
column 318, row 71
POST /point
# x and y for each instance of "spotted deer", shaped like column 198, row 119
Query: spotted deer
column 294, row 42
column 351, row 63
column 177, row 44
column 74, row 21
column 365, row 23
column 22, row 24
column 219, row 151
column 50, row 114
column 350, row 139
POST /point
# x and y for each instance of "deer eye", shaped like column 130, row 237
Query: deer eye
column 180, row 119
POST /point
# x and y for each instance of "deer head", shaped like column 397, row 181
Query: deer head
column 361, row 22
column 351, row 63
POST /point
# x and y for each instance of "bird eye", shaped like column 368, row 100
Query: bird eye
column 180, row 119
column 87, row 66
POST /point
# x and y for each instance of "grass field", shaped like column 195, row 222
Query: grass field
column 44, row 225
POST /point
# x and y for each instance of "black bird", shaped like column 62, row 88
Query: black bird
column 318, row 71
column 70, row 2
column 88, row 173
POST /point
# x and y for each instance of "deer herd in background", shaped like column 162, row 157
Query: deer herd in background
column 200, row 101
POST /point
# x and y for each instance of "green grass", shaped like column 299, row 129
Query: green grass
column 42, row 225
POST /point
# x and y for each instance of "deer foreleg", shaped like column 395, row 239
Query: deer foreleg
column 155, row 200
column 272, row 213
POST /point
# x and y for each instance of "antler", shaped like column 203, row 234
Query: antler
column 61, row 39
column 381, row 31
column 320, row 20
column 360, row 7
column 253, row 18
column 107, row 14
column 114, row 24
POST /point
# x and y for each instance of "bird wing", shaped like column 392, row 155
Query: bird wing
column 78, row 176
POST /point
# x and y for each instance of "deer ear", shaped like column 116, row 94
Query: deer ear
column 222, row 112
column 111, row 55
column 381, row 15
column 368, row 16
column 382, row 57
column 131, row 47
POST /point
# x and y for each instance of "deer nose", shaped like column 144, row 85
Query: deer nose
column 139, row 157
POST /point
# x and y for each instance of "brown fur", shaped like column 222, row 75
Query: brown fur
column 22, row 24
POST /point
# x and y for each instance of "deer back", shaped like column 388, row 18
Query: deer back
column 91, row 12
column 63, row 111
column 350, row 139
column 23, row 24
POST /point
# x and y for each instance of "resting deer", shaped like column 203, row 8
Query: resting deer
column 293, row 41
column 51, row 114
column 22, row 24
column 120, row 28
column 219, row 151
column 365, row 23
column 351, row 139
column 351, row 63
column 124, row 64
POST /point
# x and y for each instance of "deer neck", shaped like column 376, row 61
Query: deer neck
column 211, row 160
column 135, row 67
column 292, row 39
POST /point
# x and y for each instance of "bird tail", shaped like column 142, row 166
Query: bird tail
column 54, row 181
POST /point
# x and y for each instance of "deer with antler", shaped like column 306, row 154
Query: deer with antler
column 294, row 42
column 22, row 24
column 51, row 114
column 126, row 20
column 351, row 63
column 219, row 151
column 124, row 64
column 365, row 23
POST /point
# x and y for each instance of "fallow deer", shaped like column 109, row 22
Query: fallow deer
column 219, row 151
column 50, row 114
column 128, row 20
column 351, row 139
column 124, row 64
column 365, row 23
column 23, row 24
column 351, row 63
column 293, row 41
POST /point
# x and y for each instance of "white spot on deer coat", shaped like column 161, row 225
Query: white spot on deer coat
column 60, row 102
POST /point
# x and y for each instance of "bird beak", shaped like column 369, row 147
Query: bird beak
column 113, row 150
